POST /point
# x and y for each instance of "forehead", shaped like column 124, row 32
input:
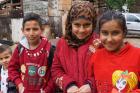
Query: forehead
column 112, row 24
column 5, row 53
column 31, row 23
column 81, row 21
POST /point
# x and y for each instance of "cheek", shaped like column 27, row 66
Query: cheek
column 8, row 59
column 74, row 30
column 102, row 38
column 119, row 39
column 1, row 62
column 40, row 32
column 25, row 33
column 88, row 31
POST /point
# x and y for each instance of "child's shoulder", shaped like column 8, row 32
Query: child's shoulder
column 99, row 52
column 134, row 48
column 61, row 41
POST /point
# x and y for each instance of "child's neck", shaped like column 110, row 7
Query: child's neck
column 35, row 45
column 5, row 68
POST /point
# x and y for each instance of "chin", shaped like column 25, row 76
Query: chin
column 81, row 38
column 111, row 50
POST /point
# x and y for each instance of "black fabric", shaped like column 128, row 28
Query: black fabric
column 7, row 42
column 11, row 87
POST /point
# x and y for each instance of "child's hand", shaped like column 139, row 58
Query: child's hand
column 20, row 88
column 59, row 82
column 72, row 89
column 95, row 45
column 42, row 91
column 85, row 89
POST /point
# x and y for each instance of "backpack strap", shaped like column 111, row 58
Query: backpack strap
column 20, row 49
column 51, row 55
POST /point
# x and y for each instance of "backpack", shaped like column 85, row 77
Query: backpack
column 51, row 53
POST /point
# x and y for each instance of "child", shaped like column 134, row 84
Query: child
column 72, row 52
column 29, row 67
column 116, row 56
column 5, row 56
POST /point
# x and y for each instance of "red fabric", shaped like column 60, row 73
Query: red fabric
column 71, row 63
column 104, row 63
column 134, row 91
column 33, row 81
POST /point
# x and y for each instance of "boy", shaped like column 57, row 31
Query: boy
column 5, row 56
column 29, row 66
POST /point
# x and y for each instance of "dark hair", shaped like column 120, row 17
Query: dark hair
column 32, row 16
column 112, row 15
column 4, row 47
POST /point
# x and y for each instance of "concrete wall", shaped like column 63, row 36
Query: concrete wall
column 16, row 25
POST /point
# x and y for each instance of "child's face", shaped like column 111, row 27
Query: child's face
column 81, row 28
column 32, row 31
column 112, row 35
column 5, row 58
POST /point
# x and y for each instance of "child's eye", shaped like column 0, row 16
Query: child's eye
column 6, row 57
column 0, row 58
column 104, row 33
column 35, row 28
column 115, row 33
column 86, row 25
column 124, row 82
column 27, row 29
column 77, row 25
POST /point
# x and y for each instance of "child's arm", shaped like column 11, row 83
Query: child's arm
column 90, row 79
column 14, row 68
column 60, row 78
column 20, row 88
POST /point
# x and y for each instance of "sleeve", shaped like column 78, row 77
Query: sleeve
column 90, row 79
column 14, row 68
column 50, row 86
column 58, row 72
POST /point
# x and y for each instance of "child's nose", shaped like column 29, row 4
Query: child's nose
column 31, row 32
column 109, row 38
column 81, row 29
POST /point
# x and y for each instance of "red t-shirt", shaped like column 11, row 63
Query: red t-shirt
column 104, row 63
column 31, row 68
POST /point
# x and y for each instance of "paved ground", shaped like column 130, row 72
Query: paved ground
column 135, row 41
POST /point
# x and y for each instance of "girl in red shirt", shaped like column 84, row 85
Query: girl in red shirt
column 71, row 58
column 116, row 56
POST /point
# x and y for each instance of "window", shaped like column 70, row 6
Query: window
column 132, row 18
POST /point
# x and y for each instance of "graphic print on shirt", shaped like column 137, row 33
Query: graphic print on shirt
column 23, row 70
column 124, row 81
column 42, row 71
column 32, row 70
